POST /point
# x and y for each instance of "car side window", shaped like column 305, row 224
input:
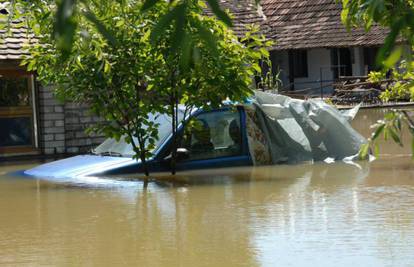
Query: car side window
column 214, row 135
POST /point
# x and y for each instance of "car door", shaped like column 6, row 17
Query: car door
column 215, row 139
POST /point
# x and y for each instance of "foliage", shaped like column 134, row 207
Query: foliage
column 377, row 76
column 400, row 82
column 391, row 127
column 397, row 15
column 67, row 14
column 121, row 65
column 111, row 77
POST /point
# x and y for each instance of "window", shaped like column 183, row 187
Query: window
column 299, row 60
column 341, row 61
column 214, row 134
column 16, row 112
column 370, row 57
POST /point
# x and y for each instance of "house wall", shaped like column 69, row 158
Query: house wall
column 51, row 122
column 358, row 67
column 318, row 60
column 62, row 126
column 77, row 120
column 319, row 68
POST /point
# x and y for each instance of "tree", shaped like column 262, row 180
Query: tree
column 202, row 75
column 125, row 70
column 398, row 16
column 111, row 77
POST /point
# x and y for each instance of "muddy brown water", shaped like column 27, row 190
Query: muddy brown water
column 302, row 215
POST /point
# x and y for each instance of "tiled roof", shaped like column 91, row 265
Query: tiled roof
column 292, row 24
column 297, row 24
column 244, row 12
column 13, row 43
column 13, row 37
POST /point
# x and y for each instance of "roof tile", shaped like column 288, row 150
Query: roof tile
column 298, row 24
column 292, row 24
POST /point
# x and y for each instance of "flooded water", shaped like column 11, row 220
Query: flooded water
column 304, row 215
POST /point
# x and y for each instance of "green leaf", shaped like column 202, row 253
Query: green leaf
column 257, row 68
column 186, row 51
column 209, row 39
column 389, row 42
column 65, row 26
column 163, row 23
column 389, row 116
column 393, row 58
column 196, row 54
column 120, row 23
column 221, row 15
column 179, row 31
column 107, row 67
column 377, row 132
column 398, row 124
column 101, row 27
column 395, row 136
column 376, row 149
column 386, row 133
column 363, row 151
column 148, row 4
column 264, row 52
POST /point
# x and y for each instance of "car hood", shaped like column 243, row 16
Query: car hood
column 79, row 166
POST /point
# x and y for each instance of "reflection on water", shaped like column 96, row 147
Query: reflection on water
column 295, row 215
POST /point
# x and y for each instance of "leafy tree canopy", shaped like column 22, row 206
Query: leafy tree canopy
column 397, row 15
column 124, row 65
column 67, row 12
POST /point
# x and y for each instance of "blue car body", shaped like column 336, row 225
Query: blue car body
column 159, row 163
column 99, row 165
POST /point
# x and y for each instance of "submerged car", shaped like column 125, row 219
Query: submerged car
column 270, row 129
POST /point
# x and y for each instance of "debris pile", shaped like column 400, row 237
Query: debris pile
column 353, row 90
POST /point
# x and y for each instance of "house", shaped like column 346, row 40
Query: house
column 311, row 49
column 311, row 45
column 32, row 120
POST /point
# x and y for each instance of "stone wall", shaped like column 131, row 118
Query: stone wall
column 62, row 126
column 77, row 120
column 51, row 123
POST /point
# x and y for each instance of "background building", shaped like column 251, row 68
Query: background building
column 313, row 47
column 32, row 120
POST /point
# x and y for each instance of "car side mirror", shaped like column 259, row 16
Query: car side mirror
column 182, row 153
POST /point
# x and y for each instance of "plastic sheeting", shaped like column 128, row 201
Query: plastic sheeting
column 285, row 130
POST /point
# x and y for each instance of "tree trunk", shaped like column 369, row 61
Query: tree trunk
column 144, row 162
column 173, row 162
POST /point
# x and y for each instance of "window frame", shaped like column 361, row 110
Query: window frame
column 165, row 149
column 241, row 135
column 22, row 112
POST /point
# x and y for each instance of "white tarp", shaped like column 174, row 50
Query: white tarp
column 286, row 130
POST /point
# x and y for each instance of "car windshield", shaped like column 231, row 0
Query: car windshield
column 111, row 147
